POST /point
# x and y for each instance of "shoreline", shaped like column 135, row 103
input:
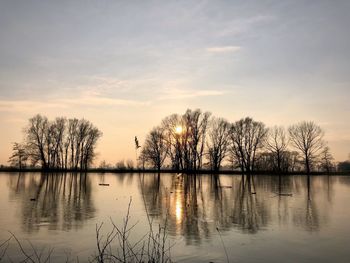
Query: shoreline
column 199, row 172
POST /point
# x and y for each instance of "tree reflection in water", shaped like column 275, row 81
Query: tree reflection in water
column 59, row 201
column 250, row 212
column 195, row 205
column 309, row 218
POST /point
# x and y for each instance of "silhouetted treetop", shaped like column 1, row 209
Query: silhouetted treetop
column 196, row 140
column 307, row 138
column 60, row 144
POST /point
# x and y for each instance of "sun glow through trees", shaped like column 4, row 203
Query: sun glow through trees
column 178, row 129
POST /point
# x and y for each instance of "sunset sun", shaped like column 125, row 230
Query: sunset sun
column 178, row 129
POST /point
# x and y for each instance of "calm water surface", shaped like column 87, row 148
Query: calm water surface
column 270, row 219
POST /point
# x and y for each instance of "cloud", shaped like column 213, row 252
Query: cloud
column 243, row 25
column 175, row 93
column 27, row 105
column 86, row 101
column 223, row 49
column 104, row 86
column 102, row 101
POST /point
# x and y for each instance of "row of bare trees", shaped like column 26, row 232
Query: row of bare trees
column 58, row 144
column 181, row 139
column 188, row 142
column 196, row 139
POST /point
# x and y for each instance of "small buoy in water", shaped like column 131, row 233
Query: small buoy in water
column 32, row 199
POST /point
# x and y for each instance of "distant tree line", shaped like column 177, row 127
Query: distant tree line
column 344, row 166
column 58, row 144
column 197, row 140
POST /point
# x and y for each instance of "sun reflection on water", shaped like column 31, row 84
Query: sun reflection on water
column 178, row 209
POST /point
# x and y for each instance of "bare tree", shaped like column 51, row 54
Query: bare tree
column 19, row 156
column 277, row 144
column 104, row 165
column 56, row 133
column 247, row 138
column 155, row 148
column 61, row 144
column 120, row 165
column 36, row 133
column 292, row 161
column 88, row 148
column 71, row 140
column 218, row 142
column 326, row 160
column 307, row 137
column 185, row 136
column 173, row 135
column 265, row 161
column 196, row 123
column 130, row 164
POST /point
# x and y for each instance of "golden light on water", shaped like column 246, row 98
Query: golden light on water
column 178, row 209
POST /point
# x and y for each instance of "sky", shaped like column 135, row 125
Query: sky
column 125, row 65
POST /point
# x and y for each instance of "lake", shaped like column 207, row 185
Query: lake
column 209, row 218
